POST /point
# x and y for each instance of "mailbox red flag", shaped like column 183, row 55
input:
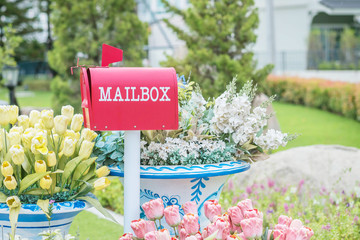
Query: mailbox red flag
column 110, row 54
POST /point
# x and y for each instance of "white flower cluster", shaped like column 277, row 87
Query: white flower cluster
column 194, row 108
column 184, row 148
column 271, row 140
column 233, row 115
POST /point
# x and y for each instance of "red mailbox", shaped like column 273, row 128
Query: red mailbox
column 119, row 98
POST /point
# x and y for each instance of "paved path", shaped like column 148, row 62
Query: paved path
column 334, row 167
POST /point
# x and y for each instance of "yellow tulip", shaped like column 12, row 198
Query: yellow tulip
column 17, row 154
column 34, row 117
column 4, row 115
column 60, row 124
column 39, row 125
column 38, row 144
column 23, row 121
column 6, row 169
column 45, row 182
column 71, row 134
column 69, row 146
column 86, row 149
column 51, row 159
column 13, row 114
column 47, row 116
column 102, row 172
column 27, row 136
column 68, row 112
column 14, row 138
column 16, row 129
column 13, row 202
column 101, row 183
column 77, row 122
column 88, row 134
column 40, row 166
column 10, row 182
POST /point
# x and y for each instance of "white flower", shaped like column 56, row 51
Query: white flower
column 271, row 140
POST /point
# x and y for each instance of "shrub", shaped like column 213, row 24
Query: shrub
column 113, row 196
column 337, row 97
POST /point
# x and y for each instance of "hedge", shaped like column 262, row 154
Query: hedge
column 337, row 97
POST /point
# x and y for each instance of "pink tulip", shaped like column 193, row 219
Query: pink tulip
column 190, row 207
column 183, row 234
column 154, row 209
column 205, row 232
column 284, row 220
column 172, row 215
column 253, row 213
column 297, row 224
column 198, row 236
column 150, row 236
column 235, row 229
column 279, row 234
column 191, row 238
column 223, row 228
column 141, row 227
column 191, row 223
column 163, row 234
column 126, row 236
column 242, row 236
column 252, row 227
column 245, row 205
column 306, row 233
column 212, row 208
column 235, row 215
column 231, row 237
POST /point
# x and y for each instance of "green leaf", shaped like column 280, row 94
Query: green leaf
column 84, row 189
column 13, row 216
column 26, row 165
column 3, row 197
column 30, row 180
column 96, row 204
column 44, row 205
column 39, row 191
column 81, row 168
column 69, row 168
column 212, row 236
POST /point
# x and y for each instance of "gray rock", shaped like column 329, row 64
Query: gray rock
column 334, row 167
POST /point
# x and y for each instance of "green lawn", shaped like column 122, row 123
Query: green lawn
column 29, row 98
column 91, row 227
column 316, row 126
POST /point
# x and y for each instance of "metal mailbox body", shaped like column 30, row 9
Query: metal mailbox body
column 120, row 98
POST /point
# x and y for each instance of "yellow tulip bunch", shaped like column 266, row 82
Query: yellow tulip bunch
column 42, row 154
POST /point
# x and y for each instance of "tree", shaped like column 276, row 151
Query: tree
column 218, row 37
column 7, row 51
column 80, row 28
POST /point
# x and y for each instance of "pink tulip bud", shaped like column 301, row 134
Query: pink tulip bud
column 245, row 205
column 223, row 228
column 190, row 207
column 172, row 215
column 163, row 234
column 252, row 227
column 154, row 209
column 211, row 209
column 183, row 234
column 284, row 220
column 235, row 229
column 232, row 237
column 191, row 223
column 126, row 236
column 235, row 215
column 280, row 233
column 141, row 227
column 198, row 236
column 150, row 236
column 253, row 213
column 242, row 236
column 297, row 224
column 192, row 237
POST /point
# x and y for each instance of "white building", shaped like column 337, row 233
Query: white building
column 293, row 21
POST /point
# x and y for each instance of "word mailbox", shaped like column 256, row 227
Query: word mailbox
column 120, row 98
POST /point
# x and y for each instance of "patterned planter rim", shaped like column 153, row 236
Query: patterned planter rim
column 180, row 172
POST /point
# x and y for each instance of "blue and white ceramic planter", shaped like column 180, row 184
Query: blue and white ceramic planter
column 32, row 219
column 176, row 185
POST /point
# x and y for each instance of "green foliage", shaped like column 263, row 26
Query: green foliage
column 338, row 97
column 217, row 37
column 331, row 215
column 113, row 196
column 109, row 148
column 80, row 28
column 7, row 50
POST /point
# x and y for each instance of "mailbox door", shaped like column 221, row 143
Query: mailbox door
column 85, row 97
column 133, row 98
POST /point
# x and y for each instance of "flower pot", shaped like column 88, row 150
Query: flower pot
column 176, row 185
column 32, row 219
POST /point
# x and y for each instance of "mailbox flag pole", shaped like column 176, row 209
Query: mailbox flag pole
column 131, row 178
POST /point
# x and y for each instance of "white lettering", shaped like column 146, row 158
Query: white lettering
column 144, row 92
column 103, row 96
column 164, row 90
column 127, row 99
column 133, row 99
column 118, row 95
column 151, row 94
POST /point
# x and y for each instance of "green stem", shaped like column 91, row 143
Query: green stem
column 156, row 225
column 5, row 142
